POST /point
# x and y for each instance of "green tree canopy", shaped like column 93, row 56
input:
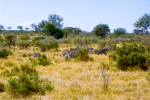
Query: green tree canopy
column 138, row 31
column 143, row 23
column 57, row 33
column 1, row 27
column 120, row 31
column 49, row 28
column 101, row 30
column 20, row 27
column 56, row 20
column 42, row 24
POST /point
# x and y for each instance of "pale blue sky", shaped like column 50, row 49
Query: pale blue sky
column 85, row 14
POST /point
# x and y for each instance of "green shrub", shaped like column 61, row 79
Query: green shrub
column 2, row 87
column 3, row 54
column 52, row 45
column 130, row 56
column 25, row 68
column 42, row 60
column 37, row 39
column 28, row 84
column 23, row 44
column 83, row 55
column 24, row 37
column 102, row 44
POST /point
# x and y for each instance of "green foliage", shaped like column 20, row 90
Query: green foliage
column 101, row 30
column 57, row 33
column 83, row 54
column 35, row 39
column 10, row 39
column 52, row 45
column 42, row 60
column 3, row 54
column 55, row 20
column 120, row 31
column 2, row 87
column 138, row 31
column 49, row 28
column 23, row 44
column 67, row 31
column 28, row 84
column 24, row 37
column 143, row 23
column 77, row 41
column 102, row 44
column 25, row 68
column 129, row 56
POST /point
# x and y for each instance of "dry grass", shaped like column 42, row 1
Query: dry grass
column 77, row 80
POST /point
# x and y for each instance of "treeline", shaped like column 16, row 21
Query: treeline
column 54, row 27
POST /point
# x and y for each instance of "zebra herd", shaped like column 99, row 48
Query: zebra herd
column 72, row 52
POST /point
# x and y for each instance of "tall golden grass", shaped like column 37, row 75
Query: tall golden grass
column 79, row 80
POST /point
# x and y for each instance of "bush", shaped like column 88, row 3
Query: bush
column 83, row 55
column 28, row 84
column 3, row 54
column 37, row 39
column 129, row 56
column 42, row 60
column 102, row 44
column 52, row 45
column 2, row 87
column 23, row 44
column 25, row 68
column 24, row 37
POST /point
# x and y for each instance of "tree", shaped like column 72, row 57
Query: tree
column 8, row 28
column 56, row 20
column 34, row 26
column 76, row 31
column 26, row 28
column 20, row 27
column 1, row 27
column 120, row 31
column 138, row 31
column 10, row 39
column 42, row 24
column 67, row 30
column 143, row 23
column 101, row 30
column 57, row 33
column 49, row 28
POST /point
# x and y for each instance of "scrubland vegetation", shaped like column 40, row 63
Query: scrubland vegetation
column 122, row 72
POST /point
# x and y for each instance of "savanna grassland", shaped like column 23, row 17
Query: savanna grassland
column 79, row 80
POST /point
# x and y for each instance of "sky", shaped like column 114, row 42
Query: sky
column 84, row 14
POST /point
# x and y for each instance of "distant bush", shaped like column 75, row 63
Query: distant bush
column 83, row 55
column 25, row 68
column 28, row 84
column 23, row 44
column 129, row 56
column 102, row 44
column 37, row 39
column 24, row 37
column 52, row 45
column 2, row 87
column 42, row 60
